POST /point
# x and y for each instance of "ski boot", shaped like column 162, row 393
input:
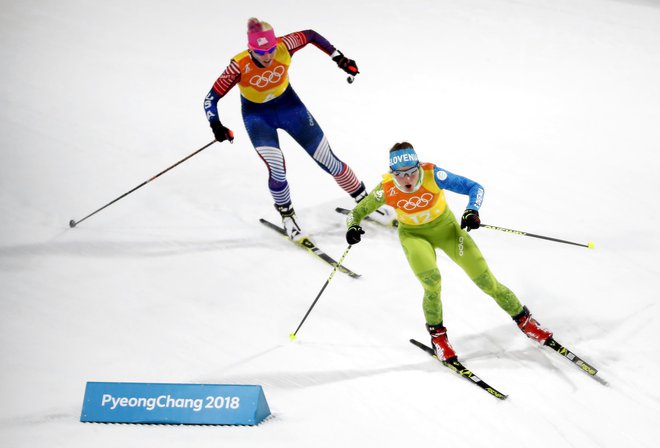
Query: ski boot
column 289, row 222
column 531, row 327
column 441, row 346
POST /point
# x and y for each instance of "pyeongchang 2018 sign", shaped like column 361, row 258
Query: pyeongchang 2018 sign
column 192, row 404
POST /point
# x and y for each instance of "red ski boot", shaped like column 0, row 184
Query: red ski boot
column 441, row 346
column 531, row 327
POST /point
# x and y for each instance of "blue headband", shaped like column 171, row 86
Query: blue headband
column 403, row 158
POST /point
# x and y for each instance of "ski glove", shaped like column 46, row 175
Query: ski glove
column 348, row 65
column 354, row 234
column 470, row 220
column 221, row 133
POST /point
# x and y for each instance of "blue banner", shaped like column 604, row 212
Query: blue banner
column 188, row 404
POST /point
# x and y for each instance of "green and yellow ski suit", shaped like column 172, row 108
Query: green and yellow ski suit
column 425, row 224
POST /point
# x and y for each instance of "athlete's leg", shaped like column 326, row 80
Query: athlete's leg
column 266, row 142
column 421, row 258
column 460, row 247
column 301, row 125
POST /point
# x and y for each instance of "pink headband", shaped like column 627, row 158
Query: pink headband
column 262, row 40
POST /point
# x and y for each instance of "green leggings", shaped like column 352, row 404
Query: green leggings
column 419, row 244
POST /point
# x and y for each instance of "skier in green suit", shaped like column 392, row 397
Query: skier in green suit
column 416, row 192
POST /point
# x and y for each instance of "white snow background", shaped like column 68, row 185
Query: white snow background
column 553, row 106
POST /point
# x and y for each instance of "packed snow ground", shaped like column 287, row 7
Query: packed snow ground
column 551, row 105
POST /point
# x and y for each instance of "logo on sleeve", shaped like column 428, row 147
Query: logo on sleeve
column 208, row 103
column 441, row 175
column 480, row 196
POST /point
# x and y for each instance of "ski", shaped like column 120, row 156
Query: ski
column 312, row 248
column 572, row 357
column 463, row 371
column 345, row 211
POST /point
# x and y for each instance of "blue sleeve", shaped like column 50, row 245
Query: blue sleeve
column 459, row 184
column 319, row 41
column 211, row 106
column 296, row 41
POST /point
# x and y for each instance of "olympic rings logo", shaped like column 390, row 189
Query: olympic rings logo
column 268, row 77
column 415, row 202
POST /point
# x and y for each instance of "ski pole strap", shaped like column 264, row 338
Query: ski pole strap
column 589, row 245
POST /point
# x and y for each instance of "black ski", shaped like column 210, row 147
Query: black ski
column 345, row 211
column 572, row 357
column 463, row 371
column 312, row 248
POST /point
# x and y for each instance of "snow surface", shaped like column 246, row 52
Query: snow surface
column 551, row 105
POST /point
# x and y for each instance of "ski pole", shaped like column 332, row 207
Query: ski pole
column 589, row 244
column 74, row 223
column 292, row 336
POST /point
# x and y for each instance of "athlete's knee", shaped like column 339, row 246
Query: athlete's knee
column 430, row 280
column 326, row 159
column 487, row 283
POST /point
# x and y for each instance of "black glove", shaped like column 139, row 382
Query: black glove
column 348, row 65
column 353, row 234
column 221, row 133
column 470, row 220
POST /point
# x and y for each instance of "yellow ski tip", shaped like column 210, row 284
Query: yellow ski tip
column 591, row 245
column 292, row 336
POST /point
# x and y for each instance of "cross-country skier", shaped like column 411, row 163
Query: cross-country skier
column 268, row 103
column 416, row 191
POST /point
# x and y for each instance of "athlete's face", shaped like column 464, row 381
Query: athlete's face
column 265, row 59
column 407, row 179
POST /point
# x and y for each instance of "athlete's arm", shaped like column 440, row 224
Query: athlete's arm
column 367, row 205
column 296, row 41
column 459, row 184
column 228, row 79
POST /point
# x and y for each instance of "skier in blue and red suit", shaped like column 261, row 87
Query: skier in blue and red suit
column 268, row 103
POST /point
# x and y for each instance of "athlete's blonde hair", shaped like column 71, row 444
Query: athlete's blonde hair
column 255, row 25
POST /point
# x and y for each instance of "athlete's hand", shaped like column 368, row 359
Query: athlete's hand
column 470, row 220
column 354, row 234
column 348, row 65
column 221, row 133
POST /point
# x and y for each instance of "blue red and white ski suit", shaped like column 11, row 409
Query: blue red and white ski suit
column 268, row 103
